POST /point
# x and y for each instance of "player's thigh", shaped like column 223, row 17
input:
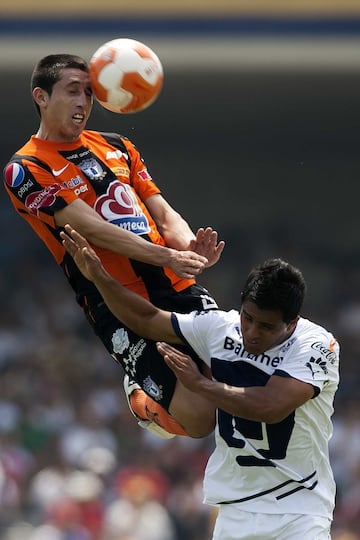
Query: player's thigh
column 138, row 356
column 194, row 298
column 192, row 411
column 305, row 527
column 235, row 524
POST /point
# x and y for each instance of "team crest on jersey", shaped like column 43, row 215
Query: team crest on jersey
column 152, row 389
column 92, row 169
column 120, row 341
column 14, row 175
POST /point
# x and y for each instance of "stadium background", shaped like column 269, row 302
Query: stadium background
column 255, row 133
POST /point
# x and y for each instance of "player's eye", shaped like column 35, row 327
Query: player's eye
column 73, row 90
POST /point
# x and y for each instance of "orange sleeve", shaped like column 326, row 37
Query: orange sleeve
column 43, row 195
column 140, row 177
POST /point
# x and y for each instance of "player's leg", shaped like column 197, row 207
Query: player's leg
column 194, row 412
column 233, row 523
column 162, row 394
column 181, row 420
column 149, row 414
column 165, row 401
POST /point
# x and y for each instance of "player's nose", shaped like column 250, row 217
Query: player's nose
column 82, row 99
column 252, row 332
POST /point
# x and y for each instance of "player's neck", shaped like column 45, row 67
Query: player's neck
column 50, row 135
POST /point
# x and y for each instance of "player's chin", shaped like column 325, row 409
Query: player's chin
column 78, row 128
column 71, row 133
column 252, row 348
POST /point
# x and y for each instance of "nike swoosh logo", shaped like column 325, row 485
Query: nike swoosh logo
column 57, row 172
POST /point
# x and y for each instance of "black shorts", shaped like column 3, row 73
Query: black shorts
column 138, row 356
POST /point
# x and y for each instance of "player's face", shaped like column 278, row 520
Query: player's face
column 66, row 111
column 263, row 329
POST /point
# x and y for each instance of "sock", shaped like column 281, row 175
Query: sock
column 147, row 409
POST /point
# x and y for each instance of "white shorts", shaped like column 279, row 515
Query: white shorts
column 235, row 524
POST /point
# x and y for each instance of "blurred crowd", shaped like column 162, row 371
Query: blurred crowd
column 74, row 465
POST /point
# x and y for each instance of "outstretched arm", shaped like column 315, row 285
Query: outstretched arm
column 178, row 234
column 206, row 244
column 137, row 313
column 271, row 403
column 171, row 225
column 186, row 264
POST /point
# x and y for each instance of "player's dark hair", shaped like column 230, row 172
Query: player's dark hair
column 276, row 285
column 48, row 71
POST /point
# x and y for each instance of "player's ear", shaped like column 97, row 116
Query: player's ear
column 292, row 324
column 40, row 96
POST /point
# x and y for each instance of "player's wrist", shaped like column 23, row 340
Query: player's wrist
column 170, row 256
column 100, row 277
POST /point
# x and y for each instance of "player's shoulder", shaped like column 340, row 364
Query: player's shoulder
column 116, row 140
column 308, row 329
column 21, row 153
column 315, row 336
column 218, row 317
column 17, row 167
column 109, row 136
column 232, row 315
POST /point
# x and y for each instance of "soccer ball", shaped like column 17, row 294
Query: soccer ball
column 126, row 75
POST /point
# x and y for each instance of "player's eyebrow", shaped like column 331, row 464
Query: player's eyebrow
column 266, row 324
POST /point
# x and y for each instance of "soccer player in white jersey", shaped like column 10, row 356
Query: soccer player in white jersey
column 274, row 377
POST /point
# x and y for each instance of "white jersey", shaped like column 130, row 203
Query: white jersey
column 269, row 468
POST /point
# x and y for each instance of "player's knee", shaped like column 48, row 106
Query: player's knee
column 194, row 413
column 197, row 423
column 200, row 430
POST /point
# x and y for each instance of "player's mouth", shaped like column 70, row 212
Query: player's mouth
column 78, row 118
column 251, row 346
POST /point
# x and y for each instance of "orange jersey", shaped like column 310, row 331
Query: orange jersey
column 107, row 172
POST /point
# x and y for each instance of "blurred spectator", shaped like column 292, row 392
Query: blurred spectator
column 16, row 464
column 89, row 430
column 138, row 511
column 19, row 531
column 46, row 488
column 63, row 523
column 86, row 491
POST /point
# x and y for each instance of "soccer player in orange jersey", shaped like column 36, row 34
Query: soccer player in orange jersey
column 99, row 183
